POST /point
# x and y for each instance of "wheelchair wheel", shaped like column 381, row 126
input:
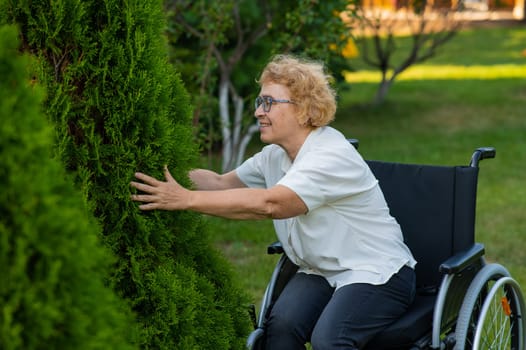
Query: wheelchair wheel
column 501, row 322
column 473, row 303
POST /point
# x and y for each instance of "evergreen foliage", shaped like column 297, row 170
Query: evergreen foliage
column 119, row 107
column 53, row 266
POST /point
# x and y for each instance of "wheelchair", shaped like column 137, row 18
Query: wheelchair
column 462, row 301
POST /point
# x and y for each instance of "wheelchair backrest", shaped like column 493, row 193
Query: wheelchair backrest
column 435, row 207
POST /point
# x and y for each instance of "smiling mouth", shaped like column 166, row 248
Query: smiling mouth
column 263, row 124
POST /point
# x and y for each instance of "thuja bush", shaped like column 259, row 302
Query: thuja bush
column 52, row 289
column 119, row 107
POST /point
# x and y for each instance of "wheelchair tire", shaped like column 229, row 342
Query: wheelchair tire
column 501, row 323
column 473, row 302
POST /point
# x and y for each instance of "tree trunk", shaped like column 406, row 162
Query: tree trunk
column 244, row 143
column 224, row 115
column 235, row 138
column 381, row 93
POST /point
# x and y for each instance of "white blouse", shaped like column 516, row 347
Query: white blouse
column 347, row 235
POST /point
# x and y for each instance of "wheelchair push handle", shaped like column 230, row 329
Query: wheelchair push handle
column 482, row 153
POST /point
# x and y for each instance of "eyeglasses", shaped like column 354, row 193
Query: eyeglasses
column 267, row 102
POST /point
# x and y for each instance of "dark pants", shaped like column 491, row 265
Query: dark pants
column 310, row 310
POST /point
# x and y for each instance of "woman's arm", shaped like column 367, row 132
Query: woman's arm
column 278, row 202
column 211, row 181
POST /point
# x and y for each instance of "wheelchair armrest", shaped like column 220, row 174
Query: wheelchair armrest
column 461, row 260
column 275, row 248
column 354, row 142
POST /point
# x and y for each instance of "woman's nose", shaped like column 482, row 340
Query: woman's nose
column 259, row 112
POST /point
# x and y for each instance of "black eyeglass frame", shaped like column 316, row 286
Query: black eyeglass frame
column 267, row 102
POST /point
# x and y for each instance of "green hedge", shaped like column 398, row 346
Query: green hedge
column 51, row 291
column 118, row 107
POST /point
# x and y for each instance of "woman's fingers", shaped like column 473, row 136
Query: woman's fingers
column 155, row 194
column 168, row 176
column 142, row 198
column 147, row 179
column 148, row 188
column 148, row 206
column 143, row 187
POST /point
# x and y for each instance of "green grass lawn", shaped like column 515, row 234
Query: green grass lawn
column 473, row 94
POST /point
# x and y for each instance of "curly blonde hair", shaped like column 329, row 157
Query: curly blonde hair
column 309, row 85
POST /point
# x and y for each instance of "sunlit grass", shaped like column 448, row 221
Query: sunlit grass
column 445, row 72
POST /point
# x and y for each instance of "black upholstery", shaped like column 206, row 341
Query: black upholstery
column 435, row 206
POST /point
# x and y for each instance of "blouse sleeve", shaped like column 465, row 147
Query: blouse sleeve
column 325, row 175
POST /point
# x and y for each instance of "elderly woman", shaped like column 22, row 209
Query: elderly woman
column 355, row 273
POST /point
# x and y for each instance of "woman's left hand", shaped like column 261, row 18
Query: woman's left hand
column 164, row 195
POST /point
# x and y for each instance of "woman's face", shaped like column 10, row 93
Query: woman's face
column 280, row 124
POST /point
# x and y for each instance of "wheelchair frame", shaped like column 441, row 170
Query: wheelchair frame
column 476, row 305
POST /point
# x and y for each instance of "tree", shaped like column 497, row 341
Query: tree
column 376, row 30
column 52, row 287
column 222, row 46
column 118, row 106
